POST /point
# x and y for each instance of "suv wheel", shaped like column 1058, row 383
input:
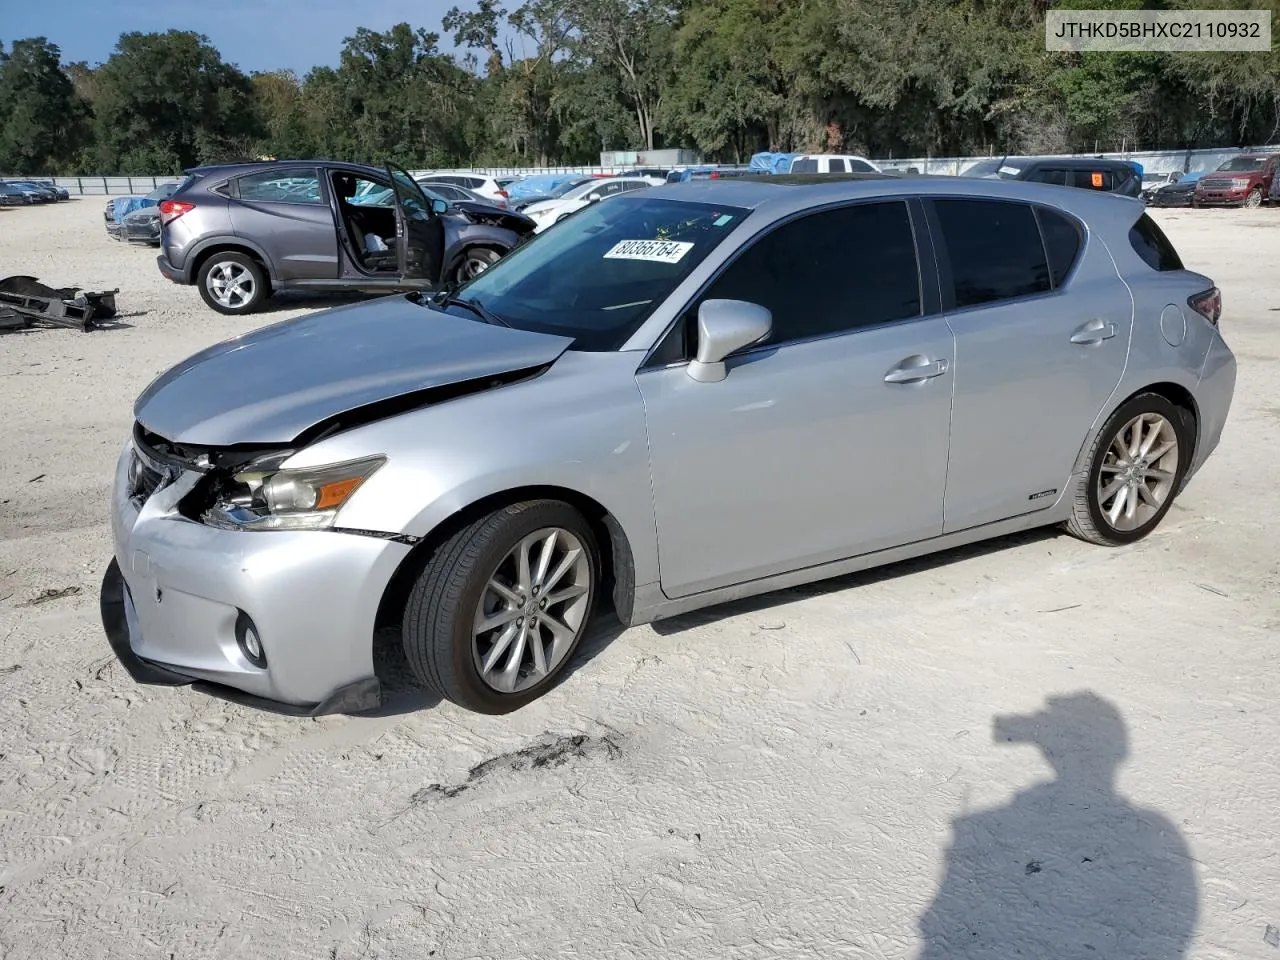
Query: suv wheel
column 475, row 262
column 1254, row 199
column 232, row 283
column 1136, row 468
column 497, row 613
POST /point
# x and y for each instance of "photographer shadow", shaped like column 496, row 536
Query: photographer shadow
column 1068, row 868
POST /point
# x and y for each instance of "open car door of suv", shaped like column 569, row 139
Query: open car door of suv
column 420, row 230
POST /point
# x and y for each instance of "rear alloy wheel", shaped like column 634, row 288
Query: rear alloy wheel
column 232, row 283
column 1254, row 199
column 1135, row 471
column 497, row 613
column 474, row 262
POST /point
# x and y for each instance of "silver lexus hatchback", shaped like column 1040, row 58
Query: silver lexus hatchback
column 698, row 393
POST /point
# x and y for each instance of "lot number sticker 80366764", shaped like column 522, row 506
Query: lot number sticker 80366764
column 659, row 251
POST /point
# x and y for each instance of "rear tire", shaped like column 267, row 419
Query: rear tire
column 1136, row 468
column 475, row 578
column 232, row 283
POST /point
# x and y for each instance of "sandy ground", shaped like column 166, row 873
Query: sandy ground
column 816, row 773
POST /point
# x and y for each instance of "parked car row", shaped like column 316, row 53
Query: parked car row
column 136, row 218
column 16, row 193
column 245, row 231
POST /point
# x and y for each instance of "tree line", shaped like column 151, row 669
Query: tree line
column 558, row 81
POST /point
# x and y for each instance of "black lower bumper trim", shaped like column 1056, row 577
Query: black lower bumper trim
column 358, row 697
column 114, row 622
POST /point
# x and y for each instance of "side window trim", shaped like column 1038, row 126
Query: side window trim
column 1082, row 236
column 944, row 257
column 928, row 292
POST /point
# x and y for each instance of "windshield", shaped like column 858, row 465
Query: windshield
column 568, row 185
column 598, row 275
column 993, row 168
column 1242, row 165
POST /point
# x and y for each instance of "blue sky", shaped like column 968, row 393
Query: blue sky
column 256, row 34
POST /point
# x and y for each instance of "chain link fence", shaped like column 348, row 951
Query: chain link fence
column 1153, row 161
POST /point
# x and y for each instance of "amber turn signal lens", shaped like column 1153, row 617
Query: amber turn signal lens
column 334, row 494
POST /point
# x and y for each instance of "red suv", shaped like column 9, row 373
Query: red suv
column 1243, row 181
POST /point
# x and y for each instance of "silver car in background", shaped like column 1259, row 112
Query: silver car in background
column 678, row 398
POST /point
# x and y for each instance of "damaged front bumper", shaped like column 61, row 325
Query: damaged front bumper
column 177, row 592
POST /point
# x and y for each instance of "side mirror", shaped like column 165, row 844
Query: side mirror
column 439, row 206
column 593, row 198
column 723, row 327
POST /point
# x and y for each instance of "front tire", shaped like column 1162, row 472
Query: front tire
column 474, row 262
column 232, row 283
column 1136, row 467
column 1254, row 199
column 495, row 617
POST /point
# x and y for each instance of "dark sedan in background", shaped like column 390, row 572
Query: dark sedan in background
column 1181, row 193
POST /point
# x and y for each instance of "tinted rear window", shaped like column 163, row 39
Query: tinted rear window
column 1061, row 242
column 994, row 249
column 1150, row 243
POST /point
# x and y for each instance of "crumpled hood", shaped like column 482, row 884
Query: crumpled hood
column 273, row 384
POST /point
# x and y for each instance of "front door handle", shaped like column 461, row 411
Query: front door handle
column 916, row 369
column 1095, row 331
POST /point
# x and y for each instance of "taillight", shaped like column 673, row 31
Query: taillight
column 173, row 209
column 1208, row 304
column 504, row 195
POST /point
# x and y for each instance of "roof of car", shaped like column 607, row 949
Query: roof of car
column 779, row 196
column 207, row 169
column 1067, row 162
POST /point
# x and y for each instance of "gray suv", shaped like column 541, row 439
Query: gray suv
column 242, row 232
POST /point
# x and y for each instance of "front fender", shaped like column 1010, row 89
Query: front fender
column 579, row 426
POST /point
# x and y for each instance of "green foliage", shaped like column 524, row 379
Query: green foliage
column 557, row 81
column 42, row 120
column 164, row 101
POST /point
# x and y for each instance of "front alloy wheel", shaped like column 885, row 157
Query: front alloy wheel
column 475, row 262
column 532, row 610
column 1254, row 199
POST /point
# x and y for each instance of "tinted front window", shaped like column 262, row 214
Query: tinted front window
column 861, row 166
column 1061, row 242
column 598, row 275
column 1150, row 243
column 994, row 248
column 830, row 272
column 293, row 187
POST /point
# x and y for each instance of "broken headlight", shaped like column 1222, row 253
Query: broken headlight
column 262, row 497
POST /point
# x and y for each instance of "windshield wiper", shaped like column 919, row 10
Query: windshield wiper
column 476, row 307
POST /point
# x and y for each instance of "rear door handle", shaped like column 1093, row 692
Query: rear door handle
column 916, row 369
column 1095, row 331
